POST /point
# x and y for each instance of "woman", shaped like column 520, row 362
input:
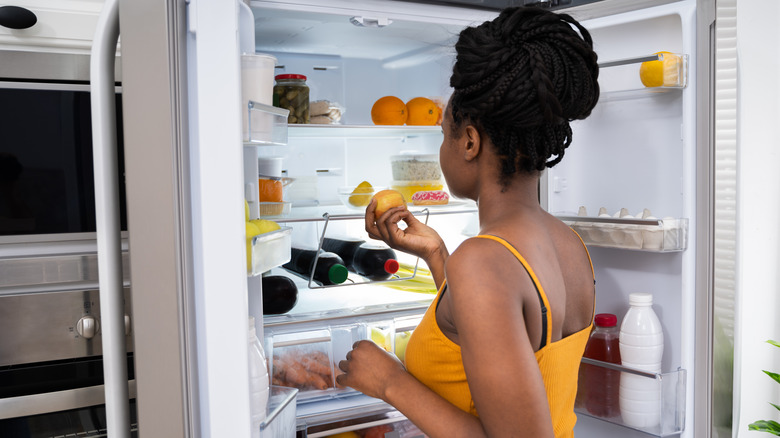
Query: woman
column 498, row 351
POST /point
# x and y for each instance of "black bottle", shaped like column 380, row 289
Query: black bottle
column 330, row 267
column 345, row 248
column 280, row 294
column 375, row 262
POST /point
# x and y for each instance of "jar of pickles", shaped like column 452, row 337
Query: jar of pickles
column 292, row 93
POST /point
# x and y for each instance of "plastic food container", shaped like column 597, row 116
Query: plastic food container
column 415, row 167
column 409, row 188
column 357, row 201
column 274, row 208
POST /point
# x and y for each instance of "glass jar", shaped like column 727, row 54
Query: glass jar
column 292, row 93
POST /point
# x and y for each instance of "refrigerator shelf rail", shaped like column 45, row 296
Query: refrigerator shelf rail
column 653, row 235
column 269, row 250
column 266, row 125
column 664, row 404
column 355, row 280
column 631, row 78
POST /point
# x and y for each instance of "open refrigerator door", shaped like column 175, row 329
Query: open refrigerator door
column 628, row 186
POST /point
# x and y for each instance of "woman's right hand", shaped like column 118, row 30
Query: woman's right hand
column 416, row 238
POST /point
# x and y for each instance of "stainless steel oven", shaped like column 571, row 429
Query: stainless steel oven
column 51, row 370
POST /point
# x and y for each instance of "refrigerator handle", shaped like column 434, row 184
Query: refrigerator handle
column 103, row 100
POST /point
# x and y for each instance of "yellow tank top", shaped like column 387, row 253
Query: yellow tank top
column 436, row 361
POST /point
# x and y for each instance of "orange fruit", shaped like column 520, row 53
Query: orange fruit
column 270, row 190
column 422, row 112
column 389, row 110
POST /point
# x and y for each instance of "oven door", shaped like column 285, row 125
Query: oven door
column 57, row 399
column 51, row 368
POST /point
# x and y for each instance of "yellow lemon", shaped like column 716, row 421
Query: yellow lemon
column 246, row 210
column 265, row 225
column 359, row 200
column 664, row 71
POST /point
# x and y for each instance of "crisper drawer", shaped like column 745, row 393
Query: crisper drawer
column 306, row 355
column 308, row 360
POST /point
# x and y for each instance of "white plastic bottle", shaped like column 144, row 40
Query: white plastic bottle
column 641, row 348
column 259, row 384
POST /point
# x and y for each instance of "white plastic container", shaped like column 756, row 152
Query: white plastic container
column 257, row 85
column 259, row 382
column 641, row 348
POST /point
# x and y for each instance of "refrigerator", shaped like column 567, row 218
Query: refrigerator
column 189, row 168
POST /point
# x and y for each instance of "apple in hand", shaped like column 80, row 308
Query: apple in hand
column 387, row 199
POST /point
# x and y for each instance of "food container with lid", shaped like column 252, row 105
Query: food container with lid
column 415, row 167
column 292, row 93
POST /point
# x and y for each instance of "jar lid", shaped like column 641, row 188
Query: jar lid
column 290, row 76
column 606, row 320
column 414, row 156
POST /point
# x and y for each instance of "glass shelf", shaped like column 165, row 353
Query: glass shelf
column 661, row 410
column 318, row 213
column 280, row 419
column 269, row 250
column 654, row 235
column 267, row 125
column 362, row 131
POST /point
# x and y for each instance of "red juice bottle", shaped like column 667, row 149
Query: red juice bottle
column 601, row 385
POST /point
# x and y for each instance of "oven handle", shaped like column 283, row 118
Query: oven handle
column 35, row 404
column 104, row 140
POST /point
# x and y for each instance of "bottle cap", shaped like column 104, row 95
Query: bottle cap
column 391, row 266
column 606, row 320
column 640, row 299
column 337, row 273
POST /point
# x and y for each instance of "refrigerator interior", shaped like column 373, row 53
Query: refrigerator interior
column 635, row 152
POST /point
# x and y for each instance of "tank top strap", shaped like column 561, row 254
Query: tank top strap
column 593, row 271
column 546, row 314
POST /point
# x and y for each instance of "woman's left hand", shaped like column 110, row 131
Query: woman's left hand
column 370, row 369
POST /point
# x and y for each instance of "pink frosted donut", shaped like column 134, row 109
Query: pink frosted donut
column 430, row 197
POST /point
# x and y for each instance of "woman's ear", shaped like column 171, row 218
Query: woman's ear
column 473, row 145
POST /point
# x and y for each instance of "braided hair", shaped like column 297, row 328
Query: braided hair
column 522, row 78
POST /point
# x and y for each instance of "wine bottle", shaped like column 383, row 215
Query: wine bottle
column 330, row 267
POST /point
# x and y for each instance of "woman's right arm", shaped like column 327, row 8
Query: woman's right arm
column 416, row 238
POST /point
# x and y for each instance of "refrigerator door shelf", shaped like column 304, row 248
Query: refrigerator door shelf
column 269, row 250
column 654, row 73
column 267, row 125
column 280, row 413
column 665, row 390
column 653, row 235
